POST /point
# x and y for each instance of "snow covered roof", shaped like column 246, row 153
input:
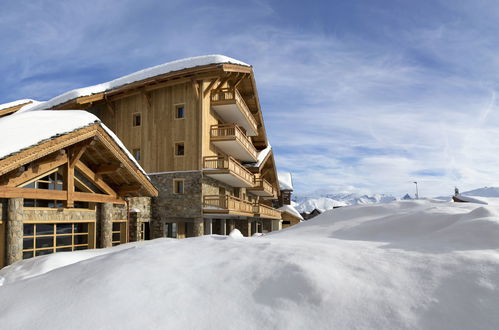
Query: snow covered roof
column 291, row 210
column 15, row 103
column 24, row 130
column 177, row 65
column 285, row 180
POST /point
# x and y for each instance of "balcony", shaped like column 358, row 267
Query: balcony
column 263, row 189
column 224, row 204
column 228, row 170
column 264, row 211
column 231, row 139
column 230, row 106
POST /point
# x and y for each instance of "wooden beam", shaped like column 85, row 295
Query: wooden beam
column 147, row 98
column 90, row 98
column 96, row 179
column 212, row 83
column 107, row 168
column 37, row 169
column 223, row 81
column 76, row 151
column 123, row 190
column 14, row 192
column 238, row 81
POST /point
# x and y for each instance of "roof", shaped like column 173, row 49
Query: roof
column 285, row 180
column 23, row 131
column 291, row 210
column 161, row 69
column 15, row 103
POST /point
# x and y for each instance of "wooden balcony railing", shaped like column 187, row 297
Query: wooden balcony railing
column 229, row 164
column 265, row 211
column 219, row 132
column 262, row 184
column 230, row 95
column 226, row 202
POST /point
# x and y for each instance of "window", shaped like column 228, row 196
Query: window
column 136, row 119
column 179, row 149
column 179, row 112
column 136, row 154
column 46, row 238
column 52, row 181
column 178, row 186
column 119, row 232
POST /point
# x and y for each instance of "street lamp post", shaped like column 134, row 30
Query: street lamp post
column 417, row 193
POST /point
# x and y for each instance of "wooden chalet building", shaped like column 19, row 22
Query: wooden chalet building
column 196, row 127
column 66, row 183
column 290, row 215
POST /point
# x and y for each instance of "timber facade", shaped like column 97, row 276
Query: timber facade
column 199, row 134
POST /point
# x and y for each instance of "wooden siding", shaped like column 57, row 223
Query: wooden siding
column 159, row 129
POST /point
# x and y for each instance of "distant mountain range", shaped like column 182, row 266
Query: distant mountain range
column 326, row 201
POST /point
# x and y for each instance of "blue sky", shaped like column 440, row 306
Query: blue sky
column 360, row 96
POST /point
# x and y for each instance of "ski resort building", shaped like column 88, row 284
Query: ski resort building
column 196, row 127
column 290, row 215
column 66, row 183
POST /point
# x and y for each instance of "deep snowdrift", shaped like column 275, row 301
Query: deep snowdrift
column 401, row 265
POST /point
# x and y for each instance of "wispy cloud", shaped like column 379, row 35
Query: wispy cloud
column 354, row 96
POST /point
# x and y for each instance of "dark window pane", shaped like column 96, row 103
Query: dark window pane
column 81, row 205
column 43, row 252
column 81, row 239
column 64, row 249
column 116, row 226
column 44, row 229
column 81, row 247
column 29, row 229
column 31, row 185
column 42, row 185
column 29, row 202
column 180, row 112
column 116, row 237
column 64, row 228
column 27, row 243
column 80, row 228
column 27, row 255
column 64, row 240
column 43, row 242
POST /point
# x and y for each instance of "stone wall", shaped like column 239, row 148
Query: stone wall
column 32, row 214
column 170, row 207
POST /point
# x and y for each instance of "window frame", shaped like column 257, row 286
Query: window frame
column 175, row 149
column 175, row 182
column 134, row 116
column 175, row 114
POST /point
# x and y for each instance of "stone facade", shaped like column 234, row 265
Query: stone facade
column 106, row 213
column 140, row 212
column 14, row 235
column 59, row 214
column 170, row 207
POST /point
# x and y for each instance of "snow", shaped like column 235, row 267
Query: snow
column 181, row 64
column 24, row 130
column 400, row 265
column 291, row 210
column 28, row 129
column 322, row 204
column 236, row 234
column 483, row 192
column 15, row 103
column 285, row 180
column 262, row 155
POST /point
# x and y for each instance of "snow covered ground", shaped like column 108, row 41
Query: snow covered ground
column 399, row 265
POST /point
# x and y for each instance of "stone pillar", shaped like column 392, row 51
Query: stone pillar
column 198, row 227
column 106, row 225
column 134, row 227
column 223, row 227
column 208, row 226
column 15, row 212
